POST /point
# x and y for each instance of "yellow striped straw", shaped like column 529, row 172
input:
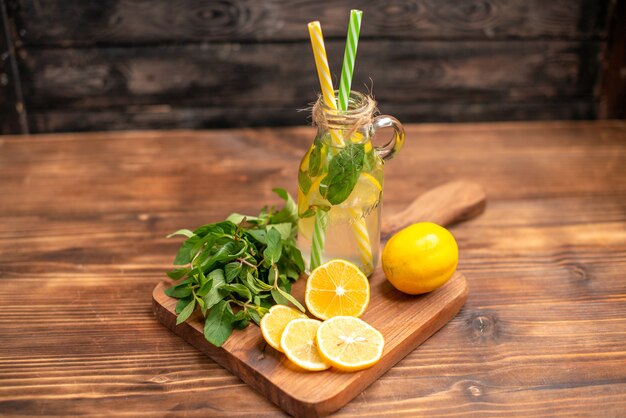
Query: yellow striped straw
column 323, row 73
column 363, row 241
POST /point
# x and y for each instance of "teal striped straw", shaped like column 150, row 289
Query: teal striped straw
column 359, row 227
column 319, row 236
column 349, row 58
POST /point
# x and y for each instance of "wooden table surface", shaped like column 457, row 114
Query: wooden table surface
column 83, row 219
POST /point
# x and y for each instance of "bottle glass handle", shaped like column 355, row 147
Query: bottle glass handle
column 390, row 149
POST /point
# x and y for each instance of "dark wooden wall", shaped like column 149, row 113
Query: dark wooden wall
column 128, row 64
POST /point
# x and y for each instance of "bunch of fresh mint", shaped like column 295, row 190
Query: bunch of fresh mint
column 244, row 262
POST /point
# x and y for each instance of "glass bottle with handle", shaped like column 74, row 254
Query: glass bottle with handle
column 340, row 184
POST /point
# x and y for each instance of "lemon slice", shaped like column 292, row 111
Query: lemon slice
column 336, row 288
column 298, row 344
column 349, row 343
column 314, row 197
column 274, row 322
column 366, row 192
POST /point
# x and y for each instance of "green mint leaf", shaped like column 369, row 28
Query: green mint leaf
column 295, row 256
column 180, row 305
column 186, row 312
column 239, row 289
column 290, row 298
column 278, row 297
column 202, row 249
column 219, row 228
column 218, row 325
column 304, row 181
column 178, row 273
column 289, row 269
column 205, row 242
column 274, row 249
column 241, row 319
column 236, row 218
column 315, row 158
column 217, row 277
column 215, row 294
column 186, row 251
column 232, row 270
column 180, row 290
column 226, row 253
column 258, row 235
column 245, row 269
column 201, row 277
column 289, row 212
column 343, row 174
column 184, row 232
column 250, row 283
column 262, row 285
column 266, row 302
column 201, row 304
column 285, row 229
column 205, row 288
column 255, row 285
column 284, row 281
column 272, row 275
column 254, row 315
column 241, row 324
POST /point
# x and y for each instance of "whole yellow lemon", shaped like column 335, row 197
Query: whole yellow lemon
column 420, row 258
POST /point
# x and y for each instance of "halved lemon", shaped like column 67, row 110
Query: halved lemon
column 298, row 344
column 336, row 288
column 274, row 322
column 349, row 343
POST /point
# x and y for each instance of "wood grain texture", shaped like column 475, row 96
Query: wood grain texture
column 12, row 116
column 120, row 64
column 171, row 117
column 266, row 84
column 80, row 22
column 82, row 224
column 404, row 321
column 277, row 74
column 612, row 100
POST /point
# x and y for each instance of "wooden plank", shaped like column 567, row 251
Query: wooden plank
column 12, row 112
column 280, row 76
column 79, row 22
column 82, row 244
column 612, row 100
column 169, row 117
column 526, row 167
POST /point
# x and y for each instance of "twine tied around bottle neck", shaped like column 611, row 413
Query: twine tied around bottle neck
column 361, row 111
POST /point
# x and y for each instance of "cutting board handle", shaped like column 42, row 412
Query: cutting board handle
column 445, row 205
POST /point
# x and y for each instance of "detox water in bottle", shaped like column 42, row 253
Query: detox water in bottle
column 340, row 184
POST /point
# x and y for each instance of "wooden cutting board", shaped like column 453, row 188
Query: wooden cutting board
column 405, row 321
